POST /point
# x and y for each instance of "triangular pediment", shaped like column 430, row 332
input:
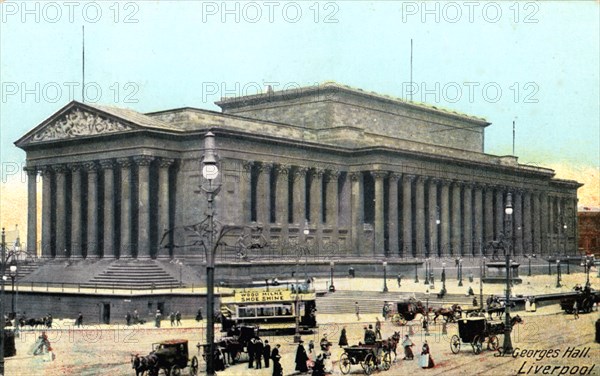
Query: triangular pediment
column 79, row 120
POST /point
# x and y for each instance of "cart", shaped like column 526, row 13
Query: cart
column 370, row 357
column 173, row 358
column 475, row 331
column 406, row 310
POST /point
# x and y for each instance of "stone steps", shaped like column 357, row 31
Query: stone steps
column 137, row 276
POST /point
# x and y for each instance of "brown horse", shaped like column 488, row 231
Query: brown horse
column 141, row 364
column 449, row 314
column 391, row 344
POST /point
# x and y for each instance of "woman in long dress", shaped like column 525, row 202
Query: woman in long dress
column 425, row 360
column 527, row 305
column 343, row 339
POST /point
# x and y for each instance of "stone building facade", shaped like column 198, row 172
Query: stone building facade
column 329, row 166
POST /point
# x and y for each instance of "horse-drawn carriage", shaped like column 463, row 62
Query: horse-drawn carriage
column 406, row 310
column 169, row 356
column 370, row 357
column 236, row 341
column 585, row 299
column 477, row 330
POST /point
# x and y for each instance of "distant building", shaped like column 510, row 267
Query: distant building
column 330, row 166
column 589, row 230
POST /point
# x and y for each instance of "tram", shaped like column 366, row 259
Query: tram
column 278, row 308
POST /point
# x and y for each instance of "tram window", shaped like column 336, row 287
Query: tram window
column 268, row 311
column 247, row 312
column 288, row 309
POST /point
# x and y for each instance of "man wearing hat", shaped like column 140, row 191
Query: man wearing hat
column 301, row 358
column 370, row 336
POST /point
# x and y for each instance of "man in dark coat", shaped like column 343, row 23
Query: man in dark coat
column 251, row 352
column 128, row 318
column 199, row 315
column 258, row 352
column 301, row 358
column 275, row 357
column 267, row 352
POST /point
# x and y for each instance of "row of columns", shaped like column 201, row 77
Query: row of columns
column 63, row 215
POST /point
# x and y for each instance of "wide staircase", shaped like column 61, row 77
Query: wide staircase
column 372, row 302
column 26, row 268
column 133, row 276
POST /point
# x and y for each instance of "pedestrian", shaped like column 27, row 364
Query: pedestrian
column 157, row 318
column 301, row 358
column 79, row 321
column 470, row 292
column 444, row 328
column 377, row 328
column 474, row 301
column 533, row 306
column 258, row 352
column 199, row 315
column 178, row 318
column 172, row 318
column 324, row 342
column 357, row 310
column 407, row 344
column 128, row 318
column 311, row 349
column 136, row 317
column 251, row 352
column 267, row 353
column 425, row 360
column 527, row 305
column 399, row 280
column 343, row 339
column 575, row 310
column 275, row 357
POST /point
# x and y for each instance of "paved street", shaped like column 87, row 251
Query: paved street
column 106, row 350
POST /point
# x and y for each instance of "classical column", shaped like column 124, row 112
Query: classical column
column 126, row 244
column 407, row 240
column 379, row 246
column 393, row 215
column 47, row 250
column 316, row 205
column 31, row 209
column 468, row 220
column 246, row 191
column 281, row 195
column 163, row 206
column 445, row 218
column 92, row 209
column 420, row 216
column 299, row 196
column 109, row 250
column 263, row 195
column 61, row 211
column 527, row 236
column 499, row 228
column 357, row 211
column 456, row 225
column 76, row 214
column 537, row 214
column 544, row 230
column 332, row 204
column 434, row 217
column 518, row 221
column 143, row 243
column 489, row 215
column 478, row 220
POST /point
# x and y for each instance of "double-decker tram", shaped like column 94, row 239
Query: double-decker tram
column 272, row 309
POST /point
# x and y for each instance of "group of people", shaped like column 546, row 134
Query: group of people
column 425, row 359
column 317, row 362
column 175, row 318
column 530, row 304
column 133, row 319
column 260, row 353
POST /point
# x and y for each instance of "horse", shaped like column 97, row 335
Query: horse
column 449, row 315
column 141, row 364
column 34, row 323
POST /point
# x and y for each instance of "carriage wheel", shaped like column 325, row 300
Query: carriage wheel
column 455, row 344
column 477, row 345
column 369, row 364
column 386, row 361
column 398, row 319
column 493, row 343
column 194, row 366
column 345, row 363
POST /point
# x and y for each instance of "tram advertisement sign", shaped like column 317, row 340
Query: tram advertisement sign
column 263, row 296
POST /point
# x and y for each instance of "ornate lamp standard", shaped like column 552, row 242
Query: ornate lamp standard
column 444, row 277
column 508, row 210
column 427, row 312
column 331, row 286
column 568, row 267
column 416, row 272
column 426, row 271
column 385, row 288
column 460, row 280
column 210, row 172
column 529, row 265
column 297, row 336
column 13, row 277
column 558, row 274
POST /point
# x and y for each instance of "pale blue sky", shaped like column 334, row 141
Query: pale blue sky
column 178, row 52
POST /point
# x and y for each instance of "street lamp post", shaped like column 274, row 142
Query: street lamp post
column 13, row 276
column 529, row 265
column 427, row 312
column 507, row 347
column 549, row 266
column 416, row 272
column 460, row 279
column 444, row 278
column 297, row 336
column 568, row 267
column 210, row 171
column 331, row 286
column 385, row 287
column 2, row 321
column 558, row 274
column 426, row 271
column 484, row 266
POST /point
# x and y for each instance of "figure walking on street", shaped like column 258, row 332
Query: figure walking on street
column 575, row 310
column 178, row 318
column 343, row 339
column 301, row 358
column 357, row 310
column 425, row 360
column 275, row 357
column 267, row 353
column 377, row 328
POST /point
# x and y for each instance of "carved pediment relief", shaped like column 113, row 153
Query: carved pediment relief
column 78, row 123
